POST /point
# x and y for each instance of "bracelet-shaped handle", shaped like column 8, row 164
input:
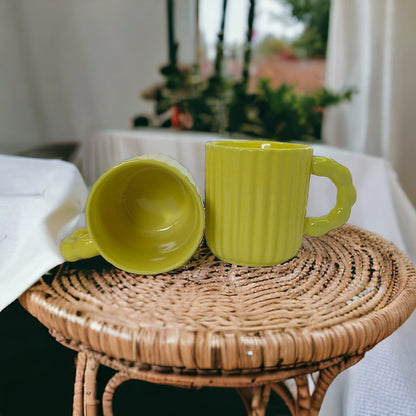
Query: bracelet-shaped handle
column 78, row 245
column 346, row 196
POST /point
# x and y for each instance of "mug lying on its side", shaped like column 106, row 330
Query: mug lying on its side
column 144, row 216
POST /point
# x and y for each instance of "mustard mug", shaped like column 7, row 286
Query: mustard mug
column 256, row 197
column 144, row 215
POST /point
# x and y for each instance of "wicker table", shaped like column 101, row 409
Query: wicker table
column 215, row 324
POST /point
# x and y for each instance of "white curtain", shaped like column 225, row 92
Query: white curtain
column 71, row 67
column 372, row 47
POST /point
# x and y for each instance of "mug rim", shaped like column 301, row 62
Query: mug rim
column 259, row 145
column 162, row 161
column 181, row 172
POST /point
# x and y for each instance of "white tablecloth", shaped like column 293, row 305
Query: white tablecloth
column 41, row 201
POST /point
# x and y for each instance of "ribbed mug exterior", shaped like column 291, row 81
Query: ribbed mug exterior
column 255, row 200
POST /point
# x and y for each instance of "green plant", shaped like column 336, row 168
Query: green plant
column 282, row 113
column 273, row 46
column 216, row 104
column 315, row 15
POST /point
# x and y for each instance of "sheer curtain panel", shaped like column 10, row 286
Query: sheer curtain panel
column 372, row 47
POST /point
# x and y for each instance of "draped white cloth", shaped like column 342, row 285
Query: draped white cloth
column 372, row 47
column 40, row 202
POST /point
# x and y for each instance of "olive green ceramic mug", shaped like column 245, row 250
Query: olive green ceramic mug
column 256, row 197
column 144, row 216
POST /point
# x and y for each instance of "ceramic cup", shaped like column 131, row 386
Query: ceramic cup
column 144, row 216
column 256, row 196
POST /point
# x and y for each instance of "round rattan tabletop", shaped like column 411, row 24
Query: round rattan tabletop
column 342, row 294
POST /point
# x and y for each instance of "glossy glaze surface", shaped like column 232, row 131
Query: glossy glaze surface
column 144, row 216
column 256, row 196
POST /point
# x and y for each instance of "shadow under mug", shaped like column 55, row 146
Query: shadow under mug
column 144, row 216
column 256, row 197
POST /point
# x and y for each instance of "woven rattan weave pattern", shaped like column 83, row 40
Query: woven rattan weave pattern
column 340, row 295
column 215, row 324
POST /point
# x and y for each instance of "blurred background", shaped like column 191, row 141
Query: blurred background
column 70, row 68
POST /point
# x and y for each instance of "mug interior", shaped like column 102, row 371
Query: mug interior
column 145, row 216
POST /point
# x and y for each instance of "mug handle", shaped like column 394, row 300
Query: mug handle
column 346, row 196
column 78, row 245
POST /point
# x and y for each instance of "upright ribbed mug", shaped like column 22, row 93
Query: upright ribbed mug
column 256, row 195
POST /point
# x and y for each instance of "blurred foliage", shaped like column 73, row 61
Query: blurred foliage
column 282, row 113
column 270, row 46
column 315, row 15
column 217, row 104
column 276, row 114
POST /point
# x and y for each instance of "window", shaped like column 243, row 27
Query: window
column 284, row 48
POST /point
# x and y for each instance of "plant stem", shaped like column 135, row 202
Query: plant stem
column 197, row 62
column 173, row 46
column 247, row 46
column 220, row 43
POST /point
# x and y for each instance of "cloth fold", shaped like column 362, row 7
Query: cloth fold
column 41, row 201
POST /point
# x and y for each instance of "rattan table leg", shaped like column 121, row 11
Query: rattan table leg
column 285, row 394
column 90, row 387
column 303, row 402
column 110, row 388
column 325, row 378
column 255, row 399
column 78, row 402
column 85, row 401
